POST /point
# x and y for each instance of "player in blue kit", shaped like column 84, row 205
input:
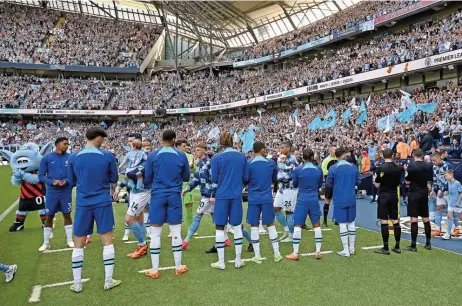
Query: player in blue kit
column 262, row 173
column 341, row 181
column 229, row 170
column 93, row 170
column 166, row 170
column 308, row 179
column 54, row 171
column 455, row 197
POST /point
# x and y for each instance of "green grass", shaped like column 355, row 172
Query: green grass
column 364, row 279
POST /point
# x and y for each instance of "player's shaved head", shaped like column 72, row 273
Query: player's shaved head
column 258, row 147
column 168, row 135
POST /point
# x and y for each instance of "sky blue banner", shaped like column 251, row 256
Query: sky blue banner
column 315, row 124
column 273, row 119
column 362, row 118
column 329, row 119
column 248, row 141
column 429, row 108
column 363, row 107
column 346, row 114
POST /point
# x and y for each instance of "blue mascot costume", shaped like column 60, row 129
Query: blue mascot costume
column 25, row 164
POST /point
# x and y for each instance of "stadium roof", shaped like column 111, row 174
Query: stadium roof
column 230, row 24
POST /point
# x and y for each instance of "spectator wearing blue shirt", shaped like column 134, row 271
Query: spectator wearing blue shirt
column 166, row 170
column 308, row 179
column 229, row 172
column 341, row 185
column 92, row 170
column 262, row 173
column 53, row 172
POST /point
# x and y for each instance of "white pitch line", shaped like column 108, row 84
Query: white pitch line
column 160, row 269
column 58, row 250
column 312, row 254
column 322, row 230
column 134, row 241
column 204, row 237
column 245, row 260
column 37, row 290
column 8, row 210
column 372, row 247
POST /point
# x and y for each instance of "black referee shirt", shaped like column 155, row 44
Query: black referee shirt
column 388, row 175
column 419, row 173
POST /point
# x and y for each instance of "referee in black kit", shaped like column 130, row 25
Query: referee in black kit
column 419, row 175
column 387, row 179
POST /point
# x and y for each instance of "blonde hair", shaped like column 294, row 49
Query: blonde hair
column 226, row 139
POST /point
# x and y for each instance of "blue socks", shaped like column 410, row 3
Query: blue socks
column 438, row 218
column 4, row 268
column 290, row 223
column 455, row 219
column 194, row 227
column 131, row 184
column 246, row 235
column 139, row 184
column 281, row 219
column 449, row 223
column 138, row 232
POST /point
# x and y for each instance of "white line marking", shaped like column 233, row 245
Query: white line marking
column 160, row 269
column 37, row 290
column 135, row 241
column 322, row 230
column 8, row 210
column 58, row 250
column 372, row 247
column 433, row 247
column 245, row 260
column 312, row 254
column 204, row 237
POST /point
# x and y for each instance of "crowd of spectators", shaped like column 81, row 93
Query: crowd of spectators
column 29, row 35
column 443, row 127
column 339, row 22
column 193, row 89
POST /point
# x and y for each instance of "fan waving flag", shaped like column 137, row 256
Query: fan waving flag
column 329, row 119
column 346, row 114
column 248, row 141
column 362, row 118
column 214, row 133
column 315, row 124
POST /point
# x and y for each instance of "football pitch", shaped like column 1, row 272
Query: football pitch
column 363, row 279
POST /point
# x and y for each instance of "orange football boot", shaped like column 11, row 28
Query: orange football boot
column 183, row 269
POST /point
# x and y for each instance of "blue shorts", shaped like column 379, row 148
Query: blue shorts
column 344, row 214
column 228, row 211
column 266, row 211
column 166, row 209
column 56, row 202
column 85, row 216
column 303, row 209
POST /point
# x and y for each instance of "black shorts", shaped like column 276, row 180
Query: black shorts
column 418, row 205
column 387, row 208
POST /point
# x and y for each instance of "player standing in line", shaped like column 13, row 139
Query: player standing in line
column 455, row 196
column 202, row 177
column 54, row 173
column 187, row 199
column 261, row 175
column 9, row 270
column 308, row 179
column 166, row 170
column 387, row 179
column 93, row 203
column 286, row 198
column 419, row 176
column 328, row 162
column 229, row 169
column 341, row 181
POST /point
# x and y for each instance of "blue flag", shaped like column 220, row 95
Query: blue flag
column 315, row 124
column 329, row 119
column 258, row 128
column 241, row 135
column 295, row 114
column 60, row 123
column 362, row 118
column 154, row 126
column 386, row 123
column 248, row 139
column 363, row 107
column 427, row 108
column 273, row 119
column 231, row 131
column 346, row 114
column 103, row 124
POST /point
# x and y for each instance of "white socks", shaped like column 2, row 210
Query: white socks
column 77, row 263
column 155, row 247
column 68, row 230
column 238, row 242
column 177, row 247
column 108, row 259
column 46, row 234
column 147, row 225
column 296, row 239
column 344, row 236
column 273, row 236
column 255, row 236
column 318, row 238
column 220, row 245
column 352, row 234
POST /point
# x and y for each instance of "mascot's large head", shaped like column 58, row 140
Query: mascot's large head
column 27, row 158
